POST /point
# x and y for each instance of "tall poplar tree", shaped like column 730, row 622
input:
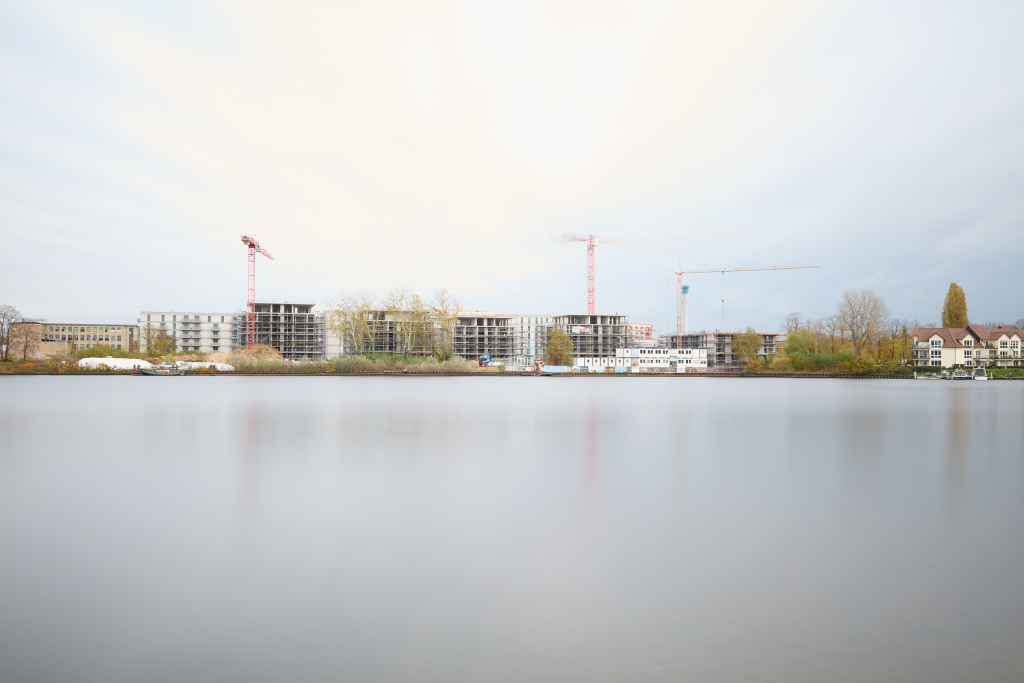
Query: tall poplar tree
column 954, row 311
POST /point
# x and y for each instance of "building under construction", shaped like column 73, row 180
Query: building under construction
column 594, row 336
column 718, row 346
column 485, row 334
column 292, row 328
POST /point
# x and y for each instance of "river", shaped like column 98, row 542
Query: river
column 510, row 529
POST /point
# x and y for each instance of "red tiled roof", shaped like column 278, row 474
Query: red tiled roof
column 951, row 336
column 988, row 333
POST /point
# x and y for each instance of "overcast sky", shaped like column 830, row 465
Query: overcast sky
column 376, row 145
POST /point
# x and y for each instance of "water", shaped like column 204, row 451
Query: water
column 522, row 529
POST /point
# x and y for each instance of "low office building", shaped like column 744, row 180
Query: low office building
column 647, row 359
column 644, row 359
column 59, row 337
column 968, row 347
column 193, row 331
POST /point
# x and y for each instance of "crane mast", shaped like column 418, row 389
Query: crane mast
column 253, row 246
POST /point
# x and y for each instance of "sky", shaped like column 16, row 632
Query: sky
column 371, row 146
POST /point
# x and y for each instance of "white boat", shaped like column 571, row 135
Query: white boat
column 929, row 375
column 979, row 373
column 961, row 374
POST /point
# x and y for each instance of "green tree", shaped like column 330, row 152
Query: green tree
column 559, row 348
column 800, row 341
column 745, row 346
column 954, row 310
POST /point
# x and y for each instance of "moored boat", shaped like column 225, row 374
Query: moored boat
column 164, row 369
column 979, row 373
column 961, row 374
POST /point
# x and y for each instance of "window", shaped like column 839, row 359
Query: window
column 118, row 339
column 1002, row 344
column 149, row 317
column 936, row 343
column 1013, row 344
column 936, row 362
column 977, row 353
column 209, row 319
column 174, row 317
column 936, row 353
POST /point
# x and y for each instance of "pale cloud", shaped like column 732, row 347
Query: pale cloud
column 442, row 144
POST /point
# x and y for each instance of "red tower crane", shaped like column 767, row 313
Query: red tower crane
column 250, row 326
column 592, row 242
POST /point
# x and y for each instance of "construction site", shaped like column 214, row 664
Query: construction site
column 298, row 331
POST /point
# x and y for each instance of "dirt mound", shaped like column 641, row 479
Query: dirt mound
column 256, row 352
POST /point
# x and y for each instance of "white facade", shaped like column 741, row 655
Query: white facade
column 646, row 359
column 531, row 338
column 971, row 346
column 193, row 331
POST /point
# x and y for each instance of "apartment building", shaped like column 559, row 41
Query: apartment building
column 58, row 337
column 530, row 333
column 642, row 331
column 192, row 331
column 968, row 347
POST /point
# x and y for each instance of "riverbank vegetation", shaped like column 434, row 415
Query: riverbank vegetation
column 860, row 338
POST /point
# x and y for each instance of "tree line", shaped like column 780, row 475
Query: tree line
column 401, row 322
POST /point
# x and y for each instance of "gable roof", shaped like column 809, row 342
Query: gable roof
column 990, row 333
column 951, row 336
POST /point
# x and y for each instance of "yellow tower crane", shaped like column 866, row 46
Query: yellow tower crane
column 681, row 295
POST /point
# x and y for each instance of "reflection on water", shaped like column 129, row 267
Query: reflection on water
column 561, row 529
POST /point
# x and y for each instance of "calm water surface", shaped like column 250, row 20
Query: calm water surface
column 524, row 529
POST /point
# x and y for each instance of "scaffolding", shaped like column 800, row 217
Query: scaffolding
column 292, row 329
column 595, row 336
column 486, row 334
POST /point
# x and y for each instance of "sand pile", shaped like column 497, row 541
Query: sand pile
column 259, row 352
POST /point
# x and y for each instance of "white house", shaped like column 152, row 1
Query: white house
column 971, row 346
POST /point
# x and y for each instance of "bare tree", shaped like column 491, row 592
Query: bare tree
column 863, row 315
column 445, row 310
column 828, row 333
column 156, row 341
column 791, row 323
column 1019, row 324
column 25, row 338
column 9, row 317
column 351, row 318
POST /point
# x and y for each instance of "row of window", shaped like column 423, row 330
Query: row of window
column 82, row 337
column 196, row 326
column 197, row 318
column 71, row 328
